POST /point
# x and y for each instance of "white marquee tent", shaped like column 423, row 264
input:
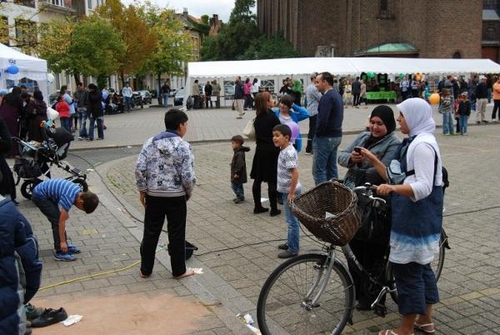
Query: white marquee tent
column 302, row 67
column 339, row 66
column 29, row 67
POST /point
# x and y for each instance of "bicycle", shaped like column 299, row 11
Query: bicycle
column 314, row 293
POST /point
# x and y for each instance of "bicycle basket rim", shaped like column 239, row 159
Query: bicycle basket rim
column 335, row 198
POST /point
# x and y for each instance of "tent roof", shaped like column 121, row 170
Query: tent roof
column 29, row 66
column 339, row 66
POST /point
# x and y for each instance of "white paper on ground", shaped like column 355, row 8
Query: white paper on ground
column 71, row 320
column 263, row 199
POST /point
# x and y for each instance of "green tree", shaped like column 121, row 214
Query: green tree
column 140, row 42
column 235, row 37
column 173, row 48
column 270, row 47
column 84, row 47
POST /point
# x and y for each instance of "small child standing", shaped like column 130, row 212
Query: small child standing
column 446, row 109
column 238, row 168
column 288, row 185
column 464, row 110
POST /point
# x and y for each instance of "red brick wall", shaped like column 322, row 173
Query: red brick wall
column 437, row 28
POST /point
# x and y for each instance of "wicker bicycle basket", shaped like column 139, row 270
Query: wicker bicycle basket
column 330, row 212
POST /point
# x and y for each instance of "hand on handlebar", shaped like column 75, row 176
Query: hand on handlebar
column 385, row 189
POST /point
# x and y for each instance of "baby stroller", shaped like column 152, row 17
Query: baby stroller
column 40, row 157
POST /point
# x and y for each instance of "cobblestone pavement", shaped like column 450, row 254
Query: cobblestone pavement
column 237, row 249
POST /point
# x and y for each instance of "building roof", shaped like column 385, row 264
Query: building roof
column 389, row 48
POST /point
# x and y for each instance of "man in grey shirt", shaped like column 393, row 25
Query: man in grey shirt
column 312, row 97
column 81, row 98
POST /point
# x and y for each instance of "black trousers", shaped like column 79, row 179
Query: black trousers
column 272, row 193
column 175, row 210
column 311, row 133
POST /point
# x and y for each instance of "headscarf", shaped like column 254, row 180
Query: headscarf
column 38, row 95
column 386, row 114
column 418, row 116
column 297, row 86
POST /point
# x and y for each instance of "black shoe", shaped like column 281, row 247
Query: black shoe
column 49, row 317
column 275, row 212
column 287, row 254
column 283, row 246
column 259, row 210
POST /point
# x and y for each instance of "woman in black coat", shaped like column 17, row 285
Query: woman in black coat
column 265, row 160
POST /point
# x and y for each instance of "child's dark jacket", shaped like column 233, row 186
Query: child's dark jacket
column 239, row 166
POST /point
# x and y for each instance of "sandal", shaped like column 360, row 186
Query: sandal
column 427, row 328
column 388, row 332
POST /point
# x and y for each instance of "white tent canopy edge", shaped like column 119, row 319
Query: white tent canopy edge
column 29, row 67
column 301, row 67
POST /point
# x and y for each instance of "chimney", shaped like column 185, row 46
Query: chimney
column 185, row 12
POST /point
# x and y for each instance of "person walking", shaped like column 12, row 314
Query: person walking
column 239, row 97
column 165, row 179
column 328, row 130
column 417, row 215
column 195, row 93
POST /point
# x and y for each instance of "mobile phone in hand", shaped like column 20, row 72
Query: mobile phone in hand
column 357, row 149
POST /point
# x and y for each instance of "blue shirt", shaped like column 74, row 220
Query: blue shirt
column 60, row 191
column 330, row 115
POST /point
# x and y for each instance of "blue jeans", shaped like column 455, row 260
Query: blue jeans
column 100, row 130
column 128, row 103
column 293, row 235
column 82, row 121
column 50, row 209
column 463, row 124
column 66, row 123
column 325, row 158
column 238, row 190
column 165, row 99
column 448, row 123
column 417, row 287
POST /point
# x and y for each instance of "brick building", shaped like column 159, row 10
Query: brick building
column 417, row 28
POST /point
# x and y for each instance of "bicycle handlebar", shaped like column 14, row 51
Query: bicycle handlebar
column 367, row 190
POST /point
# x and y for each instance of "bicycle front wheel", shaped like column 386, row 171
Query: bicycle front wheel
column 285, row 303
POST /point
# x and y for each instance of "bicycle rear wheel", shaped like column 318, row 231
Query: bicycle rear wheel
column 284, row 305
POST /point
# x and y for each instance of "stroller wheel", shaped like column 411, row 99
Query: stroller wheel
column 27, row 187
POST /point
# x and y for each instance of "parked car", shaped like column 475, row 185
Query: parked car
column 146, row 96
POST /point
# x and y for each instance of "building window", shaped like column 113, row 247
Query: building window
column 383, row 5
column 60, row 3
column 457, row 55
column 27, row 3
column 89, row 4
column 26, row 35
